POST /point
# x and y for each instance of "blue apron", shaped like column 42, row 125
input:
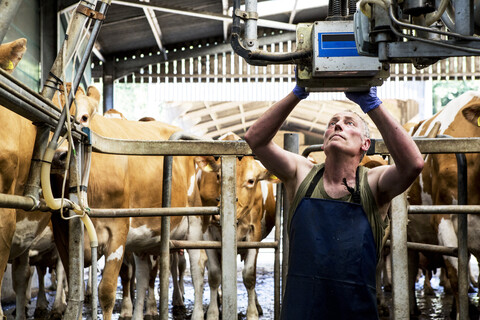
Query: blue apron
column 332, row 262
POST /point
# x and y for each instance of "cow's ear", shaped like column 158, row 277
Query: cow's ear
column 207, row 163
column 93, row 93
column 472, row 112
column 268, row 176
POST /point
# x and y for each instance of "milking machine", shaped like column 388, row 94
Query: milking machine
column 353, row 48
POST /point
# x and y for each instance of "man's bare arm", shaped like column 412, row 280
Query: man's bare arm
column 389, row 181
column 395, row 179
column 260, row 138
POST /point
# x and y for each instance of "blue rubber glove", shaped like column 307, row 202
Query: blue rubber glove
column 300, row 92
column 367, row 100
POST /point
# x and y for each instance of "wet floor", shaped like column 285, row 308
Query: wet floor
column 436, row 306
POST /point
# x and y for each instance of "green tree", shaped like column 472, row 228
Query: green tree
column 444, row 91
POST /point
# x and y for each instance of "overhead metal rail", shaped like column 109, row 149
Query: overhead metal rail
column 20, row 99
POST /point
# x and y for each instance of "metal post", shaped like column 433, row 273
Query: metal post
column 399, row 258
column 9, row 9
column 464, row 17
column 229, row 238
column 290, row 143
column 250, row 41
column 463, row 281
column 75, row 254
column 32, row 187
column 108, row 87
column 165, row 237
column 276, row 266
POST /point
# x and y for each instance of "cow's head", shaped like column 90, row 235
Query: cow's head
column 11, row 53
column 249, row 173
column 84, row 107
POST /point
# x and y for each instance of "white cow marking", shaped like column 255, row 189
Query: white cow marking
column 447, row 237
column 192, row 184
column 117, row 255
column 25, row 233
column 264, row 186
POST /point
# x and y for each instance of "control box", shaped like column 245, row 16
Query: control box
column 335, row 64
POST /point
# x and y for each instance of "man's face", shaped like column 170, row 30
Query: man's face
column 345, row 132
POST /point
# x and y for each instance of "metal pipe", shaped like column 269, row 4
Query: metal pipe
column 276, row 264
column 250, row 40
column 464, row 19
column 20, row 202
column 32, row 186
column 228, row 220
column 463, row 256
column 94, row 284
column 429, row 145
column 447, row 251
column 165, row 237
column 400, row 292
column 290, row 143
column 153, row 212
column 72, row 36
column 442, row 209
column 177, row 148
column 184, row 244
column 9, row 10
column 81, row 69
column 259, row 57
column 75, row 254
column 16, row 97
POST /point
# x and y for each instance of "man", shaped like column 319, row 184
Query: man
column 338, row 209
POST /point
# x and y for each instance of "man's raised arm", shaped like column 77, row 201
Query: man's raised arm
column 260, row 136
column 395, row 179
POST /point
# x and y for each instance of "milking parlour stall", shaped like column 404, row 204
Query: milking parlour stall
column 128, row 189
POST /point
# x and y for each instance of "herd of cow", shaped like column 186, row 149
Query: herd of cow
column 38, row 238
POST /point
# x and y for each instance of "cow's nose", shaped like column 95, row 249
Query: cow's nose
column 59, row 159
column 84, row 119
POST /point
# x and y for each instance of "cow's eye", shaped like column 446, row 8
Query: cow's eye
column 84, row 118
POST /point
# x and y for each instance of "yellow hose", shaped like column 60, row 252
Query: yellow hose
column 92, row 234
column 56, row 204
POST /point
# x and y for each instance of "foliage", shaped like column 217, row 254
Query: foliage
column 132, row 99
column 444, row 91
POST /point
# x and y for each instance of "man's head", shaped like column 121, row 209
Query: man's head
column 348, row 132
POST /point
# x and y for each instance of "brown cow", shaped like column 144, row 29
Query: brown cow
column 136, row 182
column 255, row 219
column 437, row 184
column 19, row 228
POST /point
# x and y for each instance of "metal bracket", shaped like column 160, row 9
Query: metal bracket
column 86, row 11
column 244, row 15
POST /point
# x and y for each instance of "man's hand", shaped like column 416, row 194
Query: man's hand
column 300, row 92
column 367, row 100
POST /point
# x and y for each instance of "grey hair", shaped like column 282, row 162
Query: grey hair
column 366, row 129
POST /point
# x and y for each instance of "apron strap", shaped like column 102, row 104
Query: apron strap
column 314, row 182
column 355, row 192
